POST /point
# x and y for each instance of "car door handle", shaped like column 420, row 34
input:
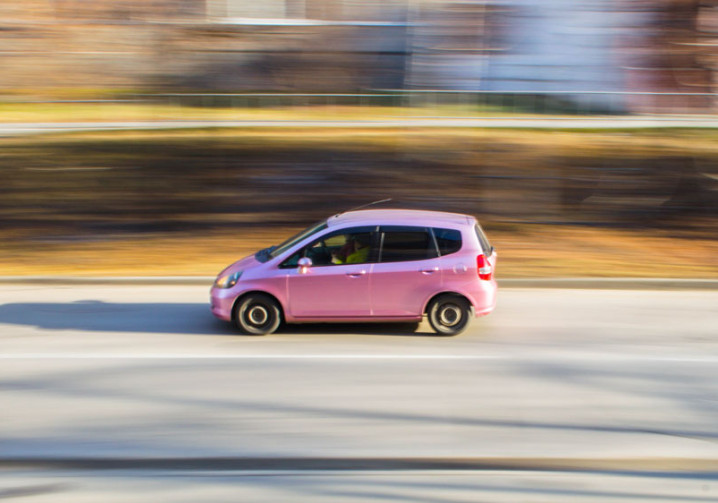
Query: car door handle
column 357, row 274
column 429, row 271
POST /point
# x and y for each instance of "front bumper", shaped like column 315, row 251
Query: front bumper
column 221, row 301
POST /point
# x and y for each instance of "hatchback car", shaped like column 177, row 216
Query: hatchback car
column 367, row 265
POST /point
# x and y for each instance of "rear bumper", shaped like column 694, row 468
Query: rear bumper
column 483, row 312
column 483, row 299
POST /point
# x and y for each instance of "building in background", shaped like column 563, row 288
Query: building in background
column 593, row 51
column 590, row 48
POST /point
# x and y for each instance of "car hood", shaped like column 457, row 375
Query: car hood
column 240, row 265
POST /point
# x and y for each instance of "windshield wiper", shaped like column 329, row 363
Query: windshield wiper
column 264, row 254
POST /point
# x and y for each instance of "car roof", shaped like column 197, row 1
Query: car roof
column 399, row 217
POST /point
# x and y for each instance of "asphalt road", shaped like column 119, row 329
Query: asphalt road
column 121, row 392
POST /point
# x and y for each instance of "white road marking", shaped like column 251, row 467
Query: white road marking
column 571, row 357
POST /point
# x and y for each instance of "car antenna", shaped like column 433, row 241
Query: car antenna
column 369, row 204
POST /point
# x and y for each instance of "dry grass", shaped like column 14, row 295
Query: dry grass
column 524, row 251
column 543, row 251
column 125, row 112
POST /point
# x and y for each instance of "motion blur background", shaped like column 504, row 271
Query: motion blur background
column 170, row 136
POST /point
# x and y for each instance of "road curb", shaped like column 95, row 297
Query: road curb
column 612, row 283
column 547, row 123
column 107, row 280
column 670, row 466
column 555, row 283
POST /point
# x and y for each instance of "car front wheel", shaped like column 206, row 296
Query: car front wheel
column 257, row 314
column 449, row 314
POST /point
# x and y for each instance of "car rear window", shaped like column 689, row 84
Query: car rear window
column 401, row 244
column 483, row 240
column 448, row 240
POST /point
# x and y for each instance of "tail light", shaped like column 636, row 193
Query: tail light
column 484, row 267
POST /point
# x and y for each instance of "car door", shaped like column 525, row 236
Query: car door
column 407, row 271
column 336, row 285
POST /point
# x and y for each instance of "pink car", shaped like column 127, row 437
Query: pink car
column 368, row 265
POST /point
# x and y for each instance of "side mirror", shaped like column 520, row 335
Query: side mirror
column 304, row 264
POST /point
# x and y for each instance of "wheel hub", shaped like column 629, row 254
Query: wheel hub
column 449, row 315
column 257, row 315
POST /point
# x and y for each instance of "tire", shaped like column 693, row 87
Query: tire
column 257, row 314
column 449, row 314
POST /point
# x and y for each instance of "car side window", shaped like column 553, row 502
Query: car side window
column 448, row 240
column 347, row 246
column 399, row 244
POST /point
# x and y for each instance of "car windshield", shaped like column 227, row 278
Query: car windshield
column 276, row 251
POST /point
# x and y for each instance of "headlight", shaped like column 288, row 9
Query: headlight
column 228, row 281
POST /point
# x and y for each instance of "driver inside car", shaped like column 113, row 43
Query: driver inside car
column 355, row 251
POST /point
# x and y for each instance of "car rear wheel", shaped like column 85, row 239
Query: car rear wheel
column 257, row 314
column 449, row 314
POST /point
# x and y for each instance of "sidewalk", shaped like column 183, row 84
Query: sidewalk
column 640, row 122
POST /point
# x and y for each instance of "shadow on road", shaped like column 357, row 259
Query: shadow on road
column 96, row 316
column 396, row 329
column 165, row 318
